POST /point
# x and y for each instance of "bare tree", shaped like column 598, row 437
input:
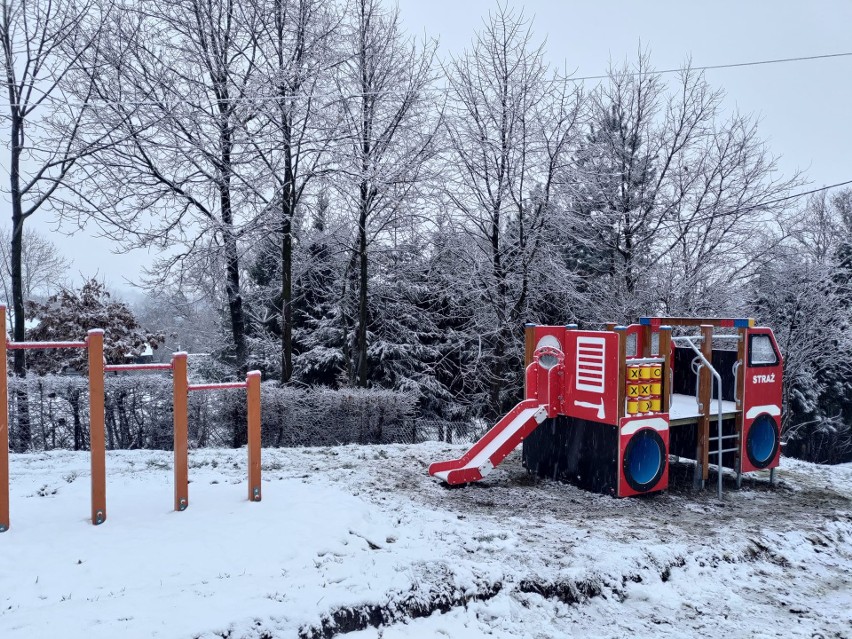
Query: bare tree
column 186, row 324
column 803, row 293
column 293, row 131
column 43, row 267
column 668, row 188
column 179, row 178
column 388, row 126
column 44, row 45
column 511, row 124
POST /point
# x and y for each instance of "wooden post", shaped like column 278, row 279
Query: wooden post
column 705, row 389
column 529, row 343
column 97, row 444
column 741, row 375
column 529, row 347
column 647, row 338
column 180, row 384
column 253, row 403
column 622, row 367
column 666, row 353
column 4, row 427
column 610, row 326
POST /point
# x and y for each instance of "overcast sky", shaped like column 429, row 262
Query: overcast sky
column 804, row 106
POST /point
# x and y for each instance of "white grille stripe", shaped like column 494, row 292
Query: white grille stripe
column 590, row 372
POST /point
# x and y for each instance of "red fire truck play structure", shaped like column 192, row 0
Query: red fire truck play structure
column 605, row 409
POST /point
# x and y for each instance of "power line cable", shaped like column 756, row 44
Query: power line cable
column 795, row 196
column 446, row 89
column 724, row 66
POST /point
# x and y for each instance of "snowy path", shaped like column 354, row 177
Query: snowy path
column 352, row 532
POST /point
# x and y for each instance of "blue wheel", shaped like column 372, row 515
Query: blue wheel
column 644, row 460
column 762, row 441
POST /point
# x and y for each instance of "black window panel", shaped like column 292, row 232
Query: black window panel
column 684, row 378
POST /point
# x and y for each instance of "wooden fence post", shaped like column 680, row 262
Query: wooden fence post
column 253, row 402
column 180, row 384
column 97, row 445
column 4, row 428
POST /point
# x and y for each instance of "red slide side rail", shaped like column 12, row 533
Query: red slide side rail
column 459, row 474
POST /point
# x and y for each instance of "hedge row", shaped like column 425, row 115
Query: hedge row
column 138, row 412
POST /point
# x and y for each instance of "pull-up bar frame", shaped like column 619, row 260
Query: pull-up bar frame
column 182, row 388
column 94, row 344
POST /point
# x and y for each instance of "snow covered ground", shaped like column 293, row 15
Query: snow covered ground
column 360, row 540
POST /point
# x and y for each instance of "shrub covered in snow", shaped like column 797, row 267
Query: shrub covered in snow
column 322, row 416
column 138, row 410
column 68, row 315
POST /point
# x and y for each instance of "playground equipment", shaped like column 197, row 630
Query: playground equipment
column 605, row 409
column 94, row 344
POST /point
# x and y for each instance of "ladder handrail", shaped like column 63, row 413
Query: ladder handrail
column 718, row 377
column 737, row 400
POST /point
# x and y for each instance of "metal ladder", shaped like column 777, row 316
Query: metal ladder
column 696, row 366
column 688, row 341
column 735, row 449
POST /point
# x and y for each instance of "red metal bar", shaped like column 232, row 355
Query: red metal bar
column 20, row 346
column 222, row 386
column 118, row 368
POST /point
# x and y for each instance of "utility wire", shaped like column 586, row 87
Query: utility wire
column 723, row 66
column 433, row 89
column 796, row 196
